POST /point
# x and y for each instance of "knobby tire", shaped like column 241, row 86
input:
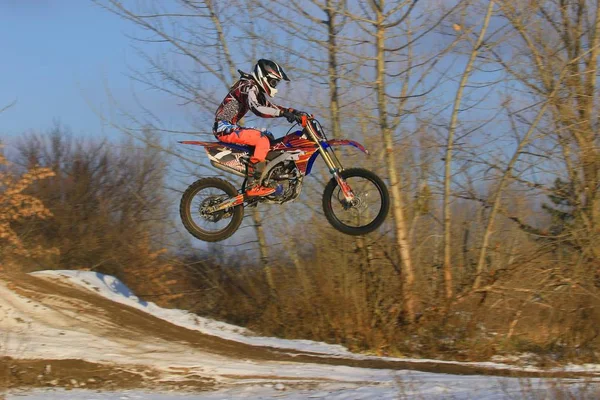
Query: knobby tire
column 186, row 213
column 356, row 230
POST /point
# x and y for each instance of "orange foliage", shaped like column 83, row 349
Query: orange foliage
column 16, row 206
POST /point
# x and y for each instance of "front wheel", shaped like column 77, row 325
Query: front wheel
column 195, row 205
column 368, row 209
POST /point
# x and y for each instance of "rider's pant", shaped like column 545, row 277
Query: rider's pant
column 249, row 137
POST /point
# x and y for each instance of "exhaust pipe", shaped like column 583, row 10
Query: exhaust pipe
column 227, row 169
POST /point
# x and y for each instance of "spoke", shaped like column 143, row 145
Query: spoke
column 205, row 221
column 363, row 209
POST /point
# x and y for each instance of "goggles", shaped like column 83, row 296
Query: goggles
column 272, row 82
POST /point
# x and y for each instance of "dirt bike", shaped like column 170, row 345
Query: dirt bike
column 212, row 209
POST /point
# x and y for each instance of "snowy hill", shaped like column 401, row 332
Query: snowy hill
column 79, row 330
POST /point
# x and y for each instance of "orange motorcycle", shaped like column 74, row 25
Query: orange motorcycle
column 355, row 201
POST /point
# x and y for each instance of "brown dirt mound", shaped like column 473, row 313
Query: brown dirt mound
column 70, row 374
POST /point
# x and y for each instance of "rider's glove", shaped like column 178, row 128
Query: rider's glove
column 290, row 115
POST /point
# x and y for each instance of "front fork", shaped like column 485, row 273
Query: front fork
column 346, row 190
column 333, row 163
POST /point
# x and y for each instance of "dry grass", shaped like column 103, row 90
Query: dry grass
column 354, row 298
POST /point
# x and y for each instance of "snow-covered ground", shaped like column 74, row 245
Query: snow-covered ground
column 53, row 328
column 412, row 385
column 113, row 289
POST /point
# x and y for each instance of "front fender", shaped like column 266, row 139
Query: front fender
column 346, row 142
column 335, row 142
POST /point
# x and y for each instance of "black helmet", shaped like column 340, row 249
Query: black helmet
column 268, row 74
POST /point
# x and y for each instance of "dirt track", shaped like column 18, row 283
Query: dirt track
column 127, row 322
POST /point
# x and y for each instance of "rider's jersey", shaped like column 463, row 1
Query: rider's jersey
column 243, row 96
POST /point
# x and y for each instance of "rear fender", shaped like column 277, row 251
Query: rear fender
column 216, row 144
column 224, row 156
column 199, row 143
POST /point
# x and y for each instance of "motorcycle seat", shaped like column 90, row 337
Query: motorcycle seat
column 237, row 146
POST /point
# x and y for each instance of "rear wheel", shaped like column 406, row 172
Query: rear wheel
column 366, row 212
column 204, row 225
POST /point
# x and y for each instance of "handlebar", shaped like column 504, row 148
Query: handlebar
column 303, row 117
column 308, row 121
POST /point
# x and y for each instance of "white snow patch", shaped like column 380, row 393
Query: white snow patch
column 113, row 289
column 591, row 368
column 409, row 385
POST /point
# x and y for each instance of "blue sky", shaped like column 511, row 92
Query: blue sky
column 59, row 57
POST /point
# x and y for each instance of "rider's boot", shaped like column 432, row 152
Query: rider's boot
column 255, row 171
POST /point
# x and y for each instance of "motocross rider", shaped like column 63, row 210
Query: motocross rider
column 249, row 93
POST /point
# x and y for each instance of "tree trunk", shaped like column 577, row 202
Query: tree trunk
column 448, row 283
column 401, row 231
column 333, row 70
column 256, row 217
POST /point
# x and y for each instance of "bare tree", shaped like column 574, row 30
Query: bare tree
column 449, row 151
column 319, row 31
column 550, row 34
column 564, row 73
column 391, row 33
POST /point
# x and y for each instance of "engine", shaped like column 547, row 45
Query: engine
column 287, row 182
